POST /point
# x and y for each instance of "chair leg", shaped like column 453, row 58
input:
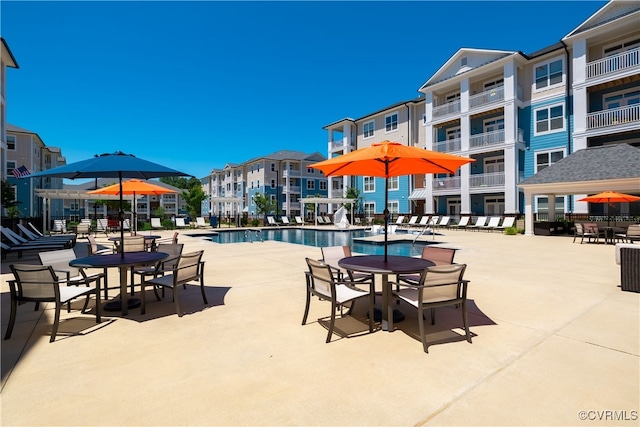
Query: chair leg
column 56, row 321
column 12, row 319
column 371, row 304
column 106, row 286
column 332, row 322
column 465, row 321
column 306, row 307
column 423, row 336
column 204, row 297
column 175, row 299
column 142, row 297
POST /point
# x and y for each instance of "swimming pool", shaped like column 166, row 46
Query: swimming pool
column 318, row 238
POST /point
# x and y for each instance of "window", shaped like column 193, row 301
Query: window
column 273, row 167
column 546, row 159
column 11, row 142
column 493, row 125
column 621, row 47
column 621, row 99
column 369, row 209
column 368, row 129
column 258, row 184
column 74, row 206
column 394, row 183
column 273, row 183
column 542, row 205
column 391, row 122
column 252, row 185
column 393, row 208
column 494, row 164
column 452, row 97
column 493, row 84
column 311, row 184
column 369, row 184
column 549, row 74
column 323, row 185
column 10, row 167
column 258, row 169
column 549, row 119
column 311, row 170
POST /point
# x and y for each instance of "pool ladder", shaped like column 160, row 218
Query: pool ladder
column 423, row 231
column 251, row 233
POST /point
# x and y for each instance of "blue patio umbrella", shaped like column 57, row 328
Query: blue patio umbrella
column 111, row 165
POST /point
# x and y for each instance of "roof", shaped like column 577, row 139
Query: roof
column 11, row 60
column 611, row 11
column 289, row 155
column 103, row 182
column 416, row 100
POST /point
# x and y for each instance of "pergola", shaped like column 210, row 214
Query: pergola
column 588, row 171
column 235, row 201
column 59, row 194
column 326, row 200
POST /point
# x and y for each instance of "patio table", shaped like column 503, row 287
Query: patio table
column 393, row 265
column 123, row 262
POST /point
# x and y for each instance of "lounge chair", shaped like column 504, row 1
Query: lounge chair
column 480, row 222
column 462, row 224
column 299, row 220
column 156, row 223
column 42, row 285
column 438, row 286
column 59, row 226
column 444, row 222
column 35, row 230
column 433, row 221
column 327, row 220
column 285, row 220
column 67, row 241
column 400, row 220
column 424, row 221
column 19, row 249
column 180, row 223
column 412, row 221
column 200, row 221
column 507, row 222
column 189, row 268
column 272, row 222
column 322, row 283
column 493, row 224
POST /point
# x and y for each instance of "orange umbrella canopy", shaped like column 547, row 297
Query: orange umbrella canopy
column 133, row 186
column 387, row 159
column 610, row 197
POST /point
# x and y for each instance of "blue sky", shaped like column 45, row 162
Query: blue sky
column 196, row 85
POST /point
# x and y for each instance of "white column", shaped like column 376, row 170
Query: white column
column 579, row 62
column 552, row 207
column 465, row 171
column 510, row 179
column 528, row 213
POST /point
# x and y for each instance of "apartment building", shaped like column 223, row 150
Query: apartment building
column 7, row 60
column 513, row 113
column 25, row 149
column 283, row 176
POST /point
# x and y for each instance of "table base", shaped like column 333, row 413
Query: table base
column 116, row 304
column 398, row 316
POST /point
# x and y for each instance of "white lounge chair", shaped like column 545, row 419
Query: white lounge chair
column 285, row 220
column 493, row 223
column 507, row 222
column 480, row 222
column 200, row 221
column 412, row 221
column 299, row 220
column 180, row 223
column 156, row 223
column 444, row 222
column 272, row 221
column 462, row 224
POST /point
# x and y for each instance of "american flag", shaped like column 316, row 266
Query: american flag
column 21, row 171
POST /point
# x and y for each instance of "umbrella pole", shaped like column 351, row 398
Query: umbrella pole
column 121, row 215
column 386, row 209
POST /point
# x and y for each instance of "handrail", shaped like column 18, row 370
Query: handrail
column 426, row 227
column 258, row 234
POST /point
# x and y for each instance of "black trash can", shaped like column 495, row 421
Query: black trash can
column 213, row 221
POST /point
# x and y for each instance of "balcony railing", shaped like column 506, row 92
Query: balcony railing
column 449, row 183
column 487, row 97
column 612, row 64
column 487, row 138
column 495, row 179
column 445, row 109
column 291, row 189
column 448, row 146
column 614, row 117
column 337, row 194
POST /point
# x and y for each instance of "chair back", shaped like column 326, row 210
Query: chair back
column 174, row 251
column 444, row 221
column 102, row 224
column 188, row 266
column 442, row 283
column 134, row 244
column 633, row 232
column 464, row 221
column 156, row 223
column 439, row 256
column 93, row 245
column 508, row 221
column 332, row 254
column 59, row 226
column 180, row 222
column 321, row 277
column 200, row 221
column 59, row 260
column 579, row 228
column 35, row 283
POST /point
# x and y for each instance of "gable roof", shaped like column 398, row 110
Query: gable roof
column 607, row 13
column 618, row 163
column 289, row 155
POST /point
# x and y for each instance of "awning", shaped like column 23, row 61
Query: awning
column 418, row 194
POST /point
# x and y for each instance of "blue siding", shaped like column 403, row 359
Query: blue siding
column 400, row 195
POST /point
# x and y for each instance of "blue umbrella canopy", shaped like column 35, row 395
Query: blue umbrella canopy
column 111, row 165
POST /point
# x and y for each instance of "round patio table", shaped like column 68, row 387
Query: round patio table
column 123, row 262
column 376, row 264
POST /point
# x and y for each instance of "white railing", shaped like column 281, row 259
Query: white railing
column 520, row 135
column 448, row 108
column 448, row 183
column 494, row 179
column 614, row 117
column 337, row 194
column 291, row 189
column 448, row 146
column 487, row 97
column 619, row 62
column 487, row 138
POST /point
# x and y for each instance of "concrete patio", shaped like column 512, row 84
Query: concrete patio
column 553, row 335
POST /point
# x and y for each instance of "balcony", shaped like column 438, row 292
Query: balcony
column 336, row 194
column 487, row 138
column 487, row 97
column 448, row 146
column 612, row 64
column 449, row 183
column 292, row 189
column 494, row 179
column 629, row 114
column 446, row 109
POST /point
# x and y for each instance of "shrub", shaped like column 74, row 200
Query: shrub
column 255, row 222
column 511, row 231
column 167, row 224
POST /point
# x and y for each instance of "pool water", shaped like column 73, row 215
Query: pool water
column 319, row 238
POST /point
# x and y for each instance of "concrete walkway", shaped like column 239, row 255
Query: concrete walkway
column 553, row 335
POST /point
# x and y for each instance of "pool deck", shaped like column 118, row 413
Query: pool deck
column 553, row 335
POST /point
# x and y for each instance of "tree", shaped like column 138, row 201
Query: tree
column 8, row 195
column 264, row 205
column 354, row 193
column 176, row 181
column 193, row 200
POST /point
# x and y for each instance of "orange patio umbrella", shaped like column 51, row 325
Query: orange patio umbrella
column 133, row 187
column 610, row 197
column 389, row 159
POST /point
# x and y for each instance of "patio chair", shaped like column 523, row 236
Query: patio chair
column 322, row 283
column 173, row 250
column 94, row 249
column 332, row 254
column 632, row 234
column 438, row 286
column 507, row 222
column 102, row 226
column 173, row 239
column 83, row 229
column 437, row 255
column 462, row 224
column 480, row 222
column 59, row 262
column 132, row 244
column 156, row 223
column 38, row 283
column 59, row 226
column 580, row 231
column 493, row 224
column 189, row 268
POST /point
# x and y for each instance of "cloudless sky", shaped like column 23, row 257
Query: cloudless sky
column 197, row 85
